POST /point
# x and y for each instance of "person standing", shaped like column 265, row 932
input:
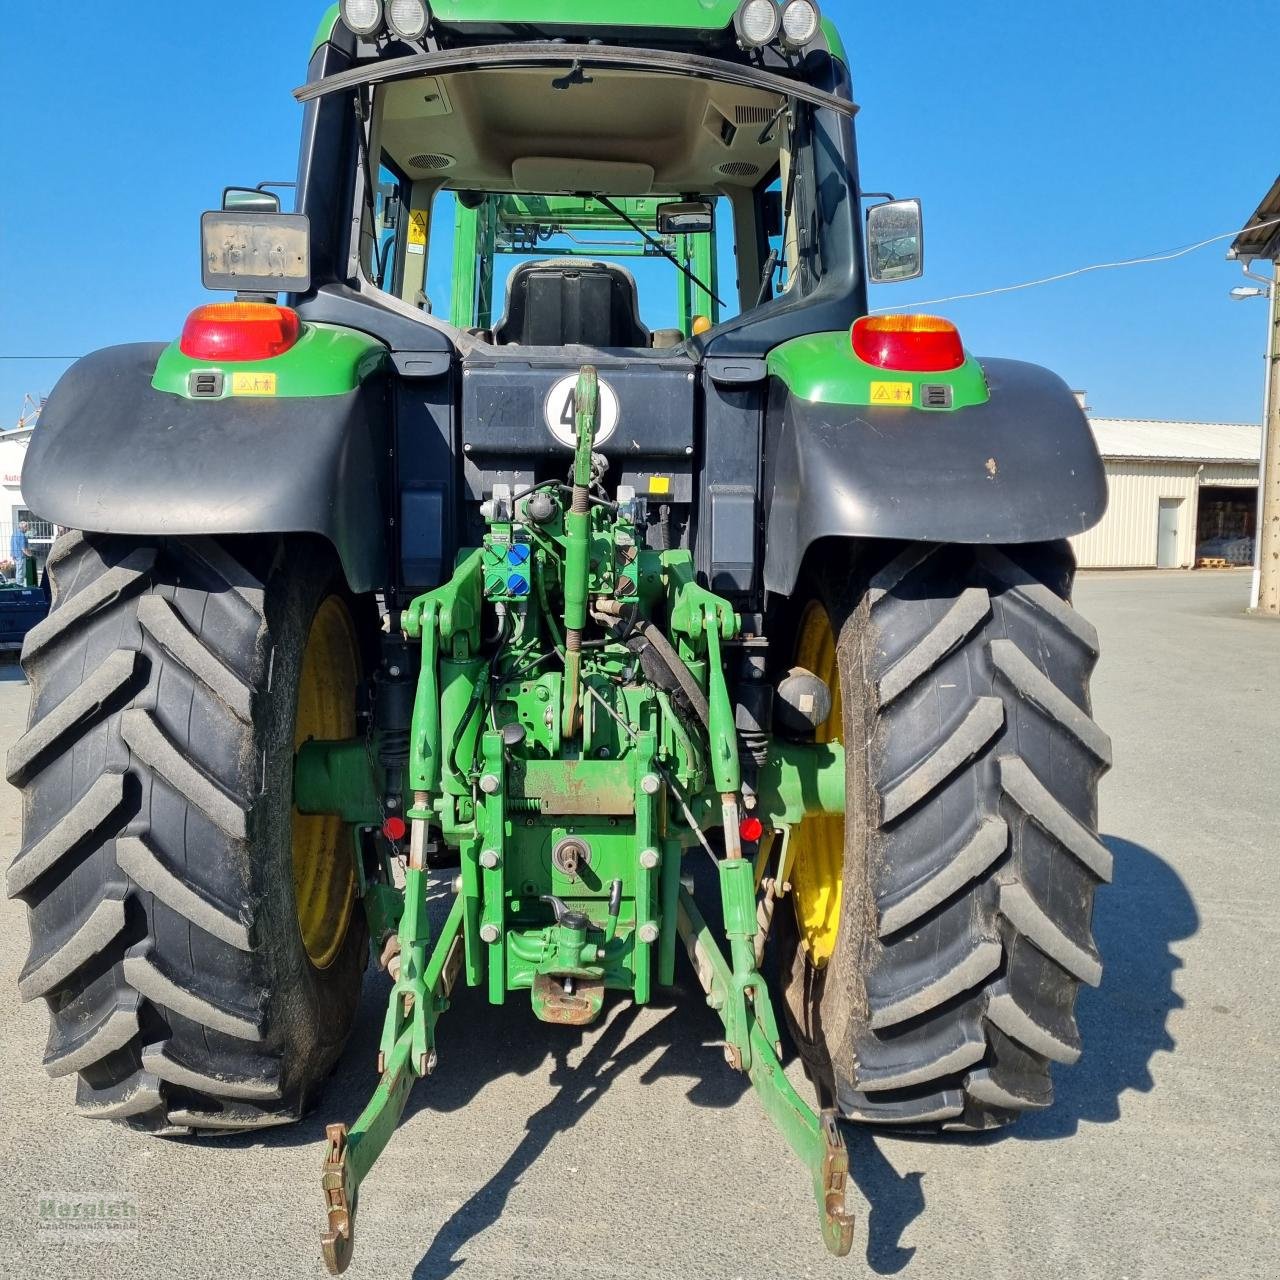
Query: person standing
column 24, row 558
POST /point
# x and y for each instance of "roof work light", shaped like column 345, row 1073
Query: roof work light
column 364, row 17
column 757, row 23
column 801, row 21
column 409, row 19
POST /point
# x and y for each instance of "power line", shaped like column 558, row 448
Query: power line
column 1081, row 271
column 41, row 357
column 1145, row 260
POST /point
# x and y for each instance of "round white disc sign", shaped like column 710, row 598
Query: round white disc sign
column 562, row 407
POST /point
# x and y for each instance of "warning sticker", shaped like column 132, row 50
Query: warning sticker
column 253, row 384
column 418, row 227
column 892, row 393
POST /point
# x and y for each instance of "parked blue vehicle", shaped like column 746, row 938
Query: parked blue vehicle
column 21, row 608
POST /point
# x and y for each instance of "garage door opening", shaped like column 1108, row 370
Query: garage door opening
column 1227, row 525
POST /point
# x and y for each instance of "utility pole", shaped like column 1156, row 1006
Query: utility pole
column 1267, row 579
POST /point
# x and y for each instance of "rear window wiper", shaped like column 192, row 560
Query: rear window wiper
column 653, row 242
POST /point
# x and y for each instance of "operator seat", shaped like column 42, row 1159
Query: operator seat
column 570, row 301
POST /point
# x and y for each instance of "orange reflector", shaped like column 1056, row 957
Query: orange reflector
column 908, row 344
column 236, row 331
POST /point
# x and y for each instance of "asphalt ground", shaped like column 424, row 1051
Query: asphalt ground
column 630, row 1150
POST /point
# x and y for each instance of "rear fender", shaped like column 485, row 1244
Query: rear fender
column 115, row 454
column 1018, row 466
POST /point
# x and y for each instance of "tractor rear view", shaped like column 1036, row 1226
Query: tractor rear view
column 573, row 525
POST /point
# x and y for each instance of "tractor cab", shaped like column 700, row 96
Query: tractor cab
column 688, row 161
column 669, row 204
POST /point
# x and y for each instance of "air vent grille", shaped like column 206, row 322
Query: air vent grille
column 432, row 160
column 935, row 395
column 738, row 169
column 752, row 115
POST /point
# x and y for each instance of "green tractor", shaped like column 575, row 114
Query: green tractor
column 571, row 530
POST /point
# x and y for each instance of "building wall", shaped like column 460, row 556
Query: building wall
column 12, row 506
column 1128, row 534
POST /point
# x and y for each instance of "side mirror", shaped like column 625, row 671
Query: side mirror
column 689, row 218
column 249, row 200
column 895, row 241
column 256, row 252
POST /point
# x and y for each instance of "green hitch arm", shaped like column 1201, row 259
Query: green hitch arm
column 350, row 1154
column 726, row 767
column 577, row 552
column 424, row 736
column 814, row 1138
column 448, row 616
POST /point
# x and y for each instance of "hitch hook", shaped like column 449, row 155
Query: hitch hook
column 339, row 1242
column 832, row 1182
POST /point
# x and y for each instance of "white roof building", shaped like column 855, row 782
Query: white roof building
column 13, row 449
column 1178, row 441
column 1180, row 492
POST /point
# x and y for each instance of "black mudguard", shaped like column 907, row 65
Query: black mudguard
column 1022, row 468
column 114, row 455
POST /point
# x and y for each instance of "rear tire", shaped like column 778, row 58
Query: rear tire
column 157, row 859
column 957, row 933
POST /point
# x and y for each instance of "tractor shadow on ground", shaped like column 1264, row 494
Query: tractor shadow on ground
column 1123, row 1024
column 506, row 1040
column 683, row 1041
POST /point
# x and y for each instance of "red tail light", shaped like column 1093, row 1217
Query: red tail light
column 232, row 331
column 908, row 344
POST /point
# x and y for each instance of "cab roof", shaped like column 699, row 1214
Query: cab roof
column 585, row 16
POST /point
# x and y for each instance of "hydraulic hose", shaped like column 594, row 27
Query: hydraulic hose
column 665, row 651
column 658, row 657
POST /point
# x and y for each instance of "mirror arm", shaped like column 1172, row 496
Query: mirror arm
column 766, row 276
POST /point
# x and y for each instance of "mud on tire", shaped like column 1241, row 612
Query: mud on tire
column 971, row 849
column 156, row 864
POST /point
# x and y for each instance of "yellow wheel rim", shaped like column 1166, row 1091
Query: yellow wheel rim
column 817, row 869
column 324, row 875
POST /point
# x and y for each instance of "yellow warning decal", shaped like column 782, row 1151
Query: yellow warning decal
column 418, row 227
column 254, row 384
column 660, row 484
column 893, row 393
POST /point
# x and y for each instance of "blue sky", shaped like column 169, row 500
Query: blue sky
column 1041, row 136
